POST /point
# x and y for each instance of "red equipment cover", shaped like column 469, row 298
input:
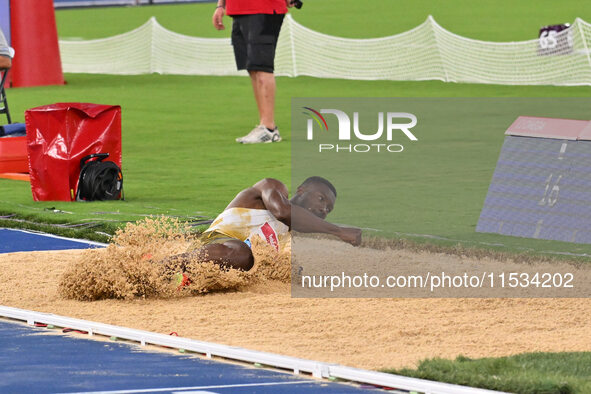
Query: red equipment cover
column 61, row 134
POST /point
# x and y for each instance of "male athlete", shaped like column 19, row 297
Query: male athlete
column 265, row 210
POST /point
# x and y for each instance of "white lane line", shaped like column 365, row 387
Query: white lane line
column 222, row 386
column 194, row 392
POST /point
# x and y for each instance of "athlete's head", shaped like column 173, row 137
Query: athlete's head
column 317, row 195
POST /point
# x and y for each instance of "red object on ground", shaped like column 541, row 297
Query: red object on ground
column 59, row 136
column 184, row 281
column 34, row 38
column 562, row 129
column 15, row 176
column 13, row 154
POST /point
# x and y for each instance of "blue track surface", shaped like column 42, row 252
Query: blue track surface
column 37, row 360
column 25, row 241
column 33, row 361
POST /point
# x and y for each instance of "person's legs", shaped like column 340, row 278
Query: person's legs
column 229, row 254
column 260, row 32
column 255, row 89
column 264, row 87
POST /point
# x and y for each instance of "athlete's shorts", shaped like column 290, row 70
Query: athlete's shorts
column 254, row 38
column 214, row 237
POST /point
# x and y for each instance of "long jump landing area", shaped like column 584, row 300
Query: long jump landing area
column 38, row 360
column 38, row 356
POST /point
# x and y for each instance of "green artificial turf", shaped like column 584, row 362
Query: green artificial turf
column 529, row 373
column 179, row 154
column 180, row 158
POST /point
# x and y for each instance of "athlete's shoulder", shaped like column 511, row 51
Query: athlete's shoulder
column 270, row 182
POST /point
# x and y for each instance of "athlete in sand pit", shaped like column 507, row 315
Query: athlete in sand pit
column 265, row 210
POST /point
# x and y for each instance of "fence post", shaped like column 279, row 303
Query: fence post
column 291, row 41
column 152, row 50
column 433, row 25
column 579, row 21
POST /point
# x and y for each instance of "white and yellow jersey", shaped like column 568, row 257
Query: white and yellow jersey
column 244, row 223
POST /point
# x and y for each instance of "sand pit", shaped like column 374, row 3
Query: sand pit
column 364, row 333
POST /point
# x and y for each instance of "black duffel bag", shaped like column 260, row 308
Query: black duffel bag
column 99, row 180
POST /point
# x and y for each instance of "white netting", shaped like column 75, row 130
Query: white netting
column 426, row 52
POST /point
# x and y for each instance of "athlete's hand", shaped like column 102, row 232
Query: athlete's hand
column 350, row 235
column 218, row 15
column 289, row 3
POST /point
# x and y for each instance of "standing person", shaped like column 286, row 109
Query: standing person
column 6, row 53
column 255, row 29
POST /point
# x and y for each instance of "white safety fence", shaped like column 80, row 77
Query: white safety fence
column 209, row 350
column 427, row 52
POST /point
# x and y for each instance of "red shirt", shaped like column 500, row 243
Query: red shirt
column 246, row 7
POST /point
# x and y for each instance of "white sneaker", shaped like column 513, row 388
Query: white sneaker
column 260, row 135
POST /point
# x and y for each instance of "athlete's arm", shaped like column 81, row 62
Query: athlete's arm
column 6, row 53
column 218, row 15
column 305, row 221
column 5, row 62
column 275, row 198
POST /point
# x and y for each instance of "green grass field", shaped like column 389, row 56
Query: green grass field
column 529, row 373
column 502, row 20
column 179, row 154
column 180, row 158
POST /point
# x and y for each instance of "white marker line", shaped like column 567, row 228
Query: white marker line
column 491, row 244
column 222, row 386
column 562, row 150
column 194, row 392
column 316, row 368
